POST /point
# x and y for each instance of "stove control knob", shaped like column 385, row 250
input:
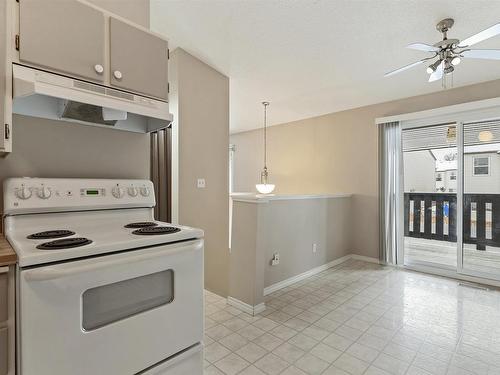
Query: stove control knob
column 118, row 192
column 44, row 192
column 145, row 191
column 132, row 191
column 23, row 192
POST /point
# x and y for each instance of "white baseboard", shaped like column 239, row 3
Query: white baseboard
column 365, row 258
column 292, row 280
column 245, row 307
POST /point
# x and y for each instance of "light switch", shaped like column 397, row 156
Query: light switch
column 201, row 183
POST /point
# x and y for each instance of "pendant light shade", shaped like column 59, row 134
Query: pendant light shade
column 265, row 187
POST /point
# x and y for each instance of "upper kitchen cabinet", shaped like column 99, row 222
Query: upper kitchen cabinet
column 139, row 60
column 66, row 36
column 5, row 83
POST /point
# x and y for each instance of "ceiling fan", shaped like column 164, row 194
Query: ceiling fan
column 449, row 52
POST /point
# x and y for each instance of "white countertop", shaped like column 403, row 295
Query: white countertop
column 264, row 198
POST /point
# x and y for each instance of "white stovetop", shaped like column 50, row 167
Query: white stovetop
column 105, row 228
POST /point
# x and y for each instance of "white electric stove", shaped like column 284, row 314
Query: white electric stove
column 103, row 288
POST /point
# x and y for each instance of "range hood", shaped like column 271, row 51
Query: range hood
column 38, row 93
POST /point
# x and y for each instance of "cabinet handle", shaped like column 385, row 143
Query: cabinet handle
column 99, row 69
column 118, row 74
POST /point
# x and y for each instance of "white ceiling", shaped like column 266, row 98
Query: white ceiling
column 312, row 57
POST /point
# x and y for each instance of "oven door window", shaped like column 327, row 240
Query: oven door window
column 106, row 304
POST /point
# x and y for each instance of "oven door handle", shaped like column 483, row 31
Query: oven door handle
column 71, row 269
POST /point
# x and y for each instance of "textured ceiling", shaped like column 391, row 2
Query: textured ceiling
column 312, row 57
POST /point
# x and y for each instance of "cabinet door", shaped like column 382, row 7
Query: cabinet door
column 4, row 303
column 4, row 351
column 4, row 296
column 139, row 60
column 5, row 87
column 66, row 36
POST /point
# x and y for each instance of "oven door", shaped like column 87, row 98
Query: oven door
column 117, row 314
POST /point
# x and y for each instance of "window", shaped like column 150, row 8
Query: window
column 481, row 166
column 109, row 303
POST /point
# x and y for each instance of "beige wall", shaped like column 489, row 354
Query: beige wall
column 293, row 226
column 44, row 148
column 200, row 100
column 337, row 153
column 246, row 271
column 288, row 227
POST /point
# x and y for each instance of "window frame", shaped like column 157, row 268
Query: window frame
column 481, row 166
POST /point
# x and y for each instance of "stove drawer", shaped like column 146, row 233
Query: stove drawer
column 115, row 314
column 189, row 362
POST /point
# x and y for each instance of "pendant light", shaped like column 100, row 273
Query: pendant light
column 264, row 187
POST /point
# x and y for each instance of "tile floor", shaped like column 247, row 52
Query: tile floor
column 359, row 318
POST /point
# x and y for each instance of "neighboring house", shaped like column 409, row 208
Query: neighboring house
column 446, row 181
column 419, row 171
column 482, row 172
column 436, row 170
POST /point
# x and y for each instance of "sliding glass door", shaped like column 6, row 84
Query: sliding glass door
column 430, row 195
column 481, row 197
column 451, row 197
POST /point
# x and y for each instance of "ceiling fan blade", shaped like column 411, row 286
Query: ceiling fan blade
column 438, row 73
column 423, row 47
column 489, row 54
column 479, row 37
column 403, row 68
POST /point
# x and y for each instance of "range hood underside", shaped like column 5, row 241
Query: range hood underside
column 50, row 108
column 46, row 95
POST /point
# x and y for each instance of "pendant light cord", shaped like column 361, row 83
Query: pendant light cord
column 265, row 134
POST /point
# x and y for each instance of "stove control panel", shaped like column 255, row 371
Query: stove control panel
column 118, row 192
column 24, row 195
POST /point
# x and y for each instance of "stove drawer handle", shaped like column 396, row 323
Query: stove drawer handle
column 68, row 269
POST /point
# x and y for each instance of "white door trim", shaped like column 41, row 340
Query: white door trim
column 445, row 114
column 460, row 195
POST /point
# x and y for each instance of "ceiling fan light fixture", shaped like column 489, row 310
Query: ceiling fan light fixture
column 485, row 136
column 450, row 52
column 432, row 68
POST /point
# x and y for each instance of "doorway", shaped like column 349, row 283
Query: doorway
column 430, row 195
column 451, row 197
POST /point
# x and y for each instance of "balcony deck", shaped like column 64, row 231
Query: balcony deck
column 445, row 253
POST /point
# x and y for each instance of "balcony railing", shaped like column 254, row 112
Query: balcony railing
column 434, row 216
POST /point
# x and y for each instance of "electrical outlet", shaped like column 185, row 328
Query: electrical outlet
column 276, row 259
column 315, row 247
column 201, row 183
